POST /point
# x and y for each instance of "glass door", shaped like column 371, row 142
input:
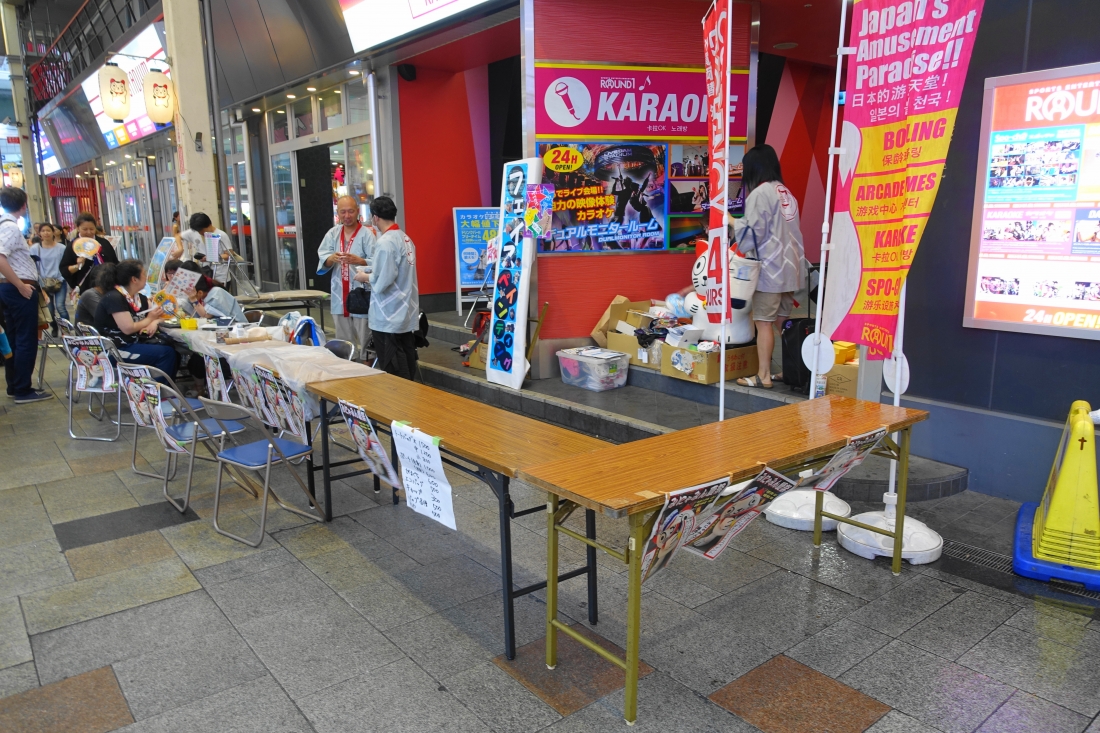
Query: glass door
column 284, row 199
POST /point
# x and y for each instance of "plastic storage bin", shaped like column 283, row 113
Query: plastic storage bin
column 594, row 369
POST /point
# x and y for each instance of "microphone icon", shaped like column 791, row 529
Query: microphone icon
column 562, row 90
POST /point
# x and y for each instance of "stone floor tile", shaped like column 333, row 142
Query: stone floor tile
column 22, row 474
column 15, row 647
column 24, row 522
column 499, row 700
column 386, row 605
column 1024, row 713
column 270, row 557
column 141, row 630
column 259, row 706
column 796, row 607
column 182, row 673
column 439, row 647
column 310, row 540
column 86, row 599
column 938, row 693
column 448, row 582
column 258, row 595
column 387, row 520
column 838, row 648
column 728, row 572
column 33, row 566
column 726, row 655
column 397, row 698
column 681, row 589
column 88, row 703
column 580, row 677
column 1012, row 599
column 20, row 678
column 664, row 705
column 959, row 625
column 429, row 544
column 307, row 648
column 895, row 722
column 200, row 546
column 127, row 552
column 1059, row 673
column 783, row 696
column 904, row 607
column 1063, row 623
column 1095, row 727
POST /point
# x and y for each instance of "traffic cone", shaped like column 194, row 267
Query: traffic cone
column 1067, row 523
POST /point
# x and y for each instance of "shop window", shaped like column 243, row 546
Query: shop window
column 360, row 171
column 331, row 111
column 238, row 138
column 358, row 105
column 280, row 130
column 303, row 117
column 286, row 224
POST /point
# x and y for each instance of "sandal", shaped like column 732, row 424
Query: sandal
column 754, row 381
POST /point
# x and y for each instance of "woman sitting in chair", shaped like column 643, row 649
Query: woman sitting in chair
column 119, row 317
column 212, row 301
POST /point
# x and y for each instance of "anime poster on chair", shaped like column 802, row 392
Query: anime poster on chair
column 94, row 372
column 282, row 403
column 525, row 214
column 608, row 197
column 370, row 447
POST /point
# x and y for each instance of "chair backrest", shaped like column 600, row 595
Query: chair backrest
column 133, row 379
column 341, row 348
column 307, row 333
column 85, row 330
column 215, row 379
column 67, row 327
column 222, row 410
column 253, row 316
column 282, row 408
column 90, row 356
column 268, row 320
column 156, row 394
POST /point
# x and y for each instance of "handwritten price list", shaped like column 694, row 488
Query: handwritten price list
column 427, row 490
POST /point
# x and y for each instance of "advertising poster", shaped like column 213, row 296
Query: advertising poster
column 1035, row 255
column 216, row 385
column 373, row 22
column 366, row 440
column 677, row 520
column 525, row 208
column 607, row 196
column 733, row 513
column 847, row 458
column 156, row 264
column 282, row 403
column 94, row 372
column 152, row 398
column 133, row 379
column 903, row 90
column 176, row 291
column 474, row 229
column 427, row 490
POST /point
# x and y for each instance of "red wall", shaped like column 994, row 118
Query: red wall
column 579, row 287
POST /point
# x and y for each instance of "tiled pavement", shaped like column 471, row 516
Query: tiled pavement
column 384, row 621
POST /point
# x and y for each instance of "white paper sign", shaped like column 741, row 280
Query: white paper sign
column 427, row 490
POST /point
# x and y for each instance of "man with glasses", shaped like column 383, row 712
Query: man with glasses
column 348, row 245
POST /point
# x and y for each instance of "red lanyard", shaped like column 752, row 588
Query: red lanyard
column 345, row 268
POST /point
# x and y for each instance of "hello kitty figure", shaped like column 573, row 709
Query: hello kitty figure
column 738, row 331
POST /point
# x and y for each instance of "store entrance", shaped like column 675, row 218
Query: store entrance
column 317, row 174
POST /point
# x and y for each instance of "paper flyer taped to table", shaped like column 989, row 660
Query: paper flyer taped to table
column 731, row 514
column 845, row 460
column 366, row 440
column 675, row 521
column 427, row 489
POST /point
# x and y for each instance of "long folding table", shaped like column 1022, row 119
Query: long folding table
column 496, row 442
column 633, row 480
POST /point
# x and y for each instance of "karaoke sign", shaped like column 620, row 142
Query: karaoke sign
column 582, row 102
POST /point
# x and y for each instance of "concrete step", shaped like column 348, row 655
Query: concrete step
column 928, row 480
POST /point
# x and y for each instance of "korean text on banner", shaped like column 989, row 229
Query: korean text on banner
column 716, row 27
column 903, row 89
column 427, row 489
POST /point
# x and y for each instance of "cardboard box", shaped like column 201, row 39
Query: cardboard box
column 845, row 351
column 629, row 346
column 639, row 318
column 683, row 336
column 842, row 380
column 606, row 322
column 477, row 356
column 703, row 367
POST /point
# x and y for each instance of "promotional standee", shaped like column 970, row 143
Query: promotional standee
column 475, row 229
column 526, row 205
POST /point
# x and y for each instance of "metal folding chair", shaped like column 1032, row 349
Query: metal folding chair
column 257, row 456
column 91, row 385
column 341, row 348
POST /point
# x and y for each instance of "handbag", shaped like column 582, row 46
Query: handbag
column 744, row 275
column 358, row 301
column 51, row 285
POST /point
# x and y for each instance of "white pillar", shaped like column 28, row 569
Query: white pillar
column 37, row 197
column 198, row 189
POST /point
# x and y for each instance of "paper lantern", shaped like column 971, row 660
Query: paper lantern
column 114, row 92
column 160, row 97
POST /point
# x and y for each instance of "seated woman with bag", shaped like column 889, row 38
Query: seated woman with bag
column 123, row 315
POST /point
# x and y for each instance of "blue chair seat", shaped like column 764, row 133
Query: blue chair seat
column 168, row 409
column 254, row 455
column 184, row 432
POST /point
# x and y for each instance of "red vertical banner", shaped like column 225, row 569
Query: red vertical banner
column 903, row 87
column 716, row 29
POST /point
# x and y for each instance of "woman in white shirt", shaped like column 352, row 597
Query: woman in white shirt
column 770, row 232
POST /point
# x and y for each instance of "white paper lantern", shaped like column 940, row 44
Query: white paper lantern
column 114, row 92
column 160, row 97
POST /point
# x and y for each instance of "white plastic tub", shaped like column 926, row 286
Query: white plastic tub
column 596, row 370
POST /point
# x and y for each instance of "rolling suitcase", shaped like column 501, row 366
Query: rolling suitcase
column 795, row 372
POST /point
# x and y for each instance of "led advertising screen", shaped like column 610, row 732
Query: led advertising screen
column 373, row 22
column 1035, row 245
column 136, row 59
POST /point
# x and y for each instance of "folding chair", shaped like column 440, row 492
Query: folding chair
column 67, row 329
column 105, row 384
column 257, row 456
column 341, row 348
column 147, row 401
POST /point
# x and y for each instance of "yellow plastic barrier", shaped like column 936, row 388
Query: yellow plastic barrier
column 1067, row 523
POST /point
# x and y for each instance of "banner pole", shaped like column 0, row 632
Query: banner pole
column 826, row 245
column 899, row 339
column 727, row 62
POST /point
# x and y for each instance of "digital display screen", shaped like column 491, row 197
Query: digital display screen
column 136, row 59
column 373, row 22
column 1035, row 246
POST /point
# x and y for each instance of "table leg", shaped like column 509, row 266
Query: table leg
column 504, row 500
column 903, row 486
column 321, row 314
column 551, row 581
column 326, row 469
column 637, row 541
column 593, row 599
column 310, row 464
column 819, row 506
column 396, row 463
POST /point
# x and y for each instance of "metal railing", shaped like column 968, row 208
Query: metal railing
column 81, row 42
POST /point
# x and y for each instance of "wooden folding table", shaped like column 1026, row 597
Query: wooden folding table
column 632, row 481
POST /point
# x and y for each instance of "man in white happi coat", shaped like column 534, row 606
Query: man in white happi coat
column 347, row 245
